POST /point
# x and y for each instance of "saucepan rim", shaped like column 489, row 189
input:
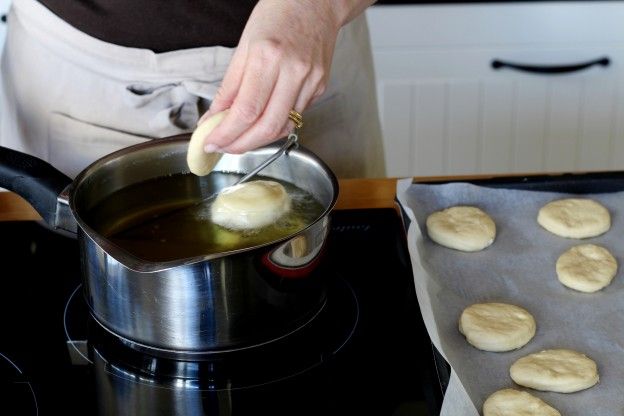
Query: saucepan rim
column 138, row 264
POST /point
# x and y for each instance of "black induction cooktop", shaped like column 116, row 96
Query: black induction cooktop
column 366, row 353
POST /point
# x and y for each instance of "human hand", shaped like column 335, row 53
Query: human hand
column 282, row 63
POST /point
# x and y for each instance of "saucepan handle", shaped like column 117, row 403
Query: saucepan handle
column 35, row 180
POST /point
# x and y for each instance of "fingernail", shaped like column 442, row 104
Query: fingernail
column 212, row 148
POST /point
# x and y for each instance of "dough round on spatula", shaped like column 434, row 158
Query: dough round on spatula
column 199, row 162
column 250, row 205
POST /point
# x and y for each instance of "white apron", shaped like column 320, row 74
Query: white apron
column 70, row 99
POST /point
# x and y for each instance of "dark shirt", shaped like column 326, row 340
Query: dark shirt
column 159, row 25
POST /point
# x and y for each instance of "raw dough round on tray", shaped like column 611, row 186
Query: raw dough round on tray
column 496, row 327
column 250, row 205
column 558, row 370
column 199, row 162
column 511, row 402
column 462, row 228
column 586, row 268
column 574, row 218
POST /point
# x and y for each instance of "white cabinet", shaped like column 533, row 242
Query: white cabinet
column 446, row 110
column 4, row 8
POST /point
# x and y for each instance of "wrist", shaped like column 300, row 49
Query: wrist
column 346, row 10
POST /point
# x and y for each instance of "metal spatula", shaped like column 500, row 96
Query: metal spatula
column 291, row 142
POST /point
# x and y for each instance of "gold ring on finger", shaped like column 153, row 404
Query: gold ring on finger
column 296, row 118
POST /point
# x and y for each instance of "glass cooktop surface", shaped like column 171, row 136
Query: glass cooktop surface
column 367, row 351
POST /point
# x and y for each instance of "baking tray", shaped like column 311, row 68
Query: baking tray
column 573, row 183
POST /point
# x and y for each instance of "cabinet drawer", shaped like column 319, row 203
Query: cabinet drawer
column 446, row 110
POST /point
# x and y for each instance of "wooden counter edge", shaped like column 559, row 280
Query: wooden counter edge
column 354, row 194
column 380, row 193
column 15, row 208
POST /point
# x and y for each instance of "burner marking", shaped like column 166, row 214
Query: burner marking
column 69, row 340
column 32, row 391
column 357, row 316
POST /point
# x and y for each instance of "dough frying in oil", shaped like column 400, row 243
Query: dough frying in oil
column 463, row 228
column 199, row 162
column 250, row 205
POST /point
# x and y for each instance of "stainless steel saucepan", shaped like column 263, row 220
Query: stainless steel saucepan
column 209, row 303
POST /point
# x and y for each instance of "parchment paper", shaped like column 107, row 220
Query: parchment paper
column 518, row 268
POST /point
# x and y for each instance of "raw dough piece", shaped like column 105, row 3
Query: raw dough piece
column 586, row 268
column 496, row 326
column 250, row 205
column 559, row 370
column 199, row 162
column 462, row 228
column 510, row 402
column 574, row 218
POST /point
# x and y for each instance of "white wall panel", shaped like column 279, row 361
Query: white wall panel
column 430, row 128
column 617, row 143
column 4, row 8
column 597, row 126
column 464, row 128
column 498, row 136
column 530, row 127
column 396, row 101
column 563, row 109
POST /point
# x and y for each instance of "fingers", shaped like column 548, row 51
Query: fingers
column 256, row 87
column 269, row 96
column 313, row 88
column 274, row 122
column 229, row 86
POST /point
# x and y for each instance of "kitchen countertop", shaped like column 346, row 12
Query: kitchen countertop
column 353, row 194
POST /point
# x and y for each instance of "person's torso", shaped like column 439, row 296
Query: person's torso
column 159, row 25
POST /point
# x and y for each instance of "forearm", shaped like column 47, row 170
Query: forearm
column 340, row 12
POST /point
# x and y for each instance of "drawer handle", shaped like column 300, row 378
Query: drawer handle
column 550, row 69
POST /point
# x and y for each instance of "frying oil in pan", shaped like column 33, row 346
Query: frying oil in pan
column 129, row 218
